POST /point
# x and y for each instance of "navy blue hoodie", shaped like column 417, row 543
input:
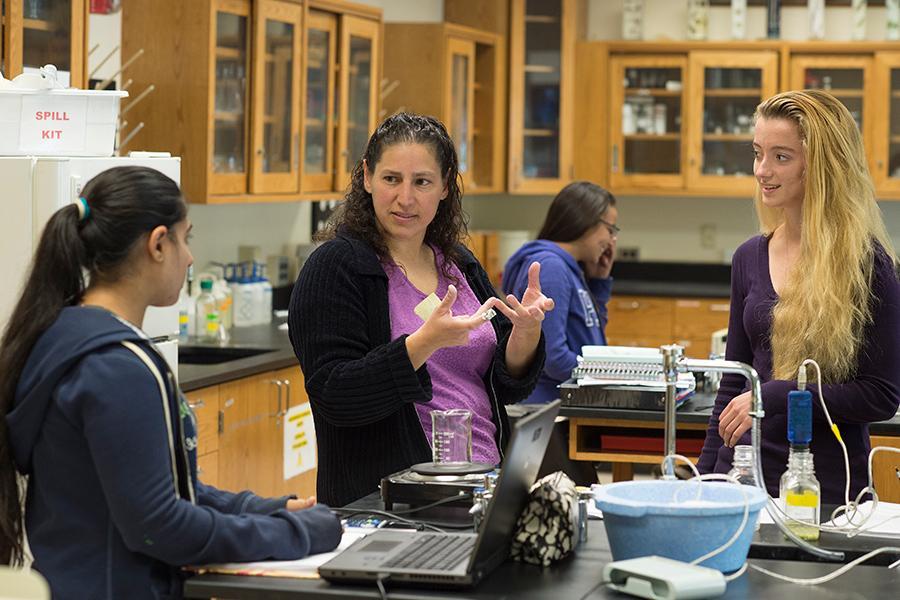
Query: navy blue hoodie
column 578, row 318
column 114, row 505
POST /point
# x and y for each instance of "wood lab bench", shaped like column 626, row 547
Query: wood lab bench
column 587, row 425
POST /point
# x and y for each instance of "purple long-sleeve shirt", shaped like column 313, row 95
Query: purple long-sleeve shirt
column 872, row 395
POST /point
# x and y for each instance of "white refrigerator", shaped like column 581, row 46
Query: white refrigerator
column 36, row 187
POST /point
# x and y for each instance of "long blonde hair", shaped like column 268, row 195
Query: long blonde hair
column 827, row 300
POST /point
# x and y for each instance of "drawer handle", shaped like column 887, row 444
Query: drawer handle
column 687, row 303
column 633, row 305
column 719, row 307
column 197, row 404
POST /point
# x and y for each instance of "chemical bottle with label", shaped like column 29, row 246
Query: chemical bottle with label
column 265, row 307
column 224, row 297
column 242, row 290
column 186, row 315
column 207, row 314
column 799, row 490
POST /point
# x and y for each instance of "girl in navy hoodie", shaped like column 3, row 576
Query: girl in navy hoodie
column 94, row 418
column 575, row 247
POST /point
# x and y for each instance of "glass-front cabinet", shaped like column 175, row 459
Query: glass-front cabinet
column 542, row 50
column 40, row 32
column 724, row 90
column 886, row 140
column 358, row 92
column 646, row 122
column 460, row 85
column 847, row 77
column 276, row 98
column 460, row 78
column 230, row 115
column 319, row 112
column 263, row 100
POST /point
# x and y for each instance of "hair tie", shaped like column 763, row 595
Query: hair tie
column 84, row 211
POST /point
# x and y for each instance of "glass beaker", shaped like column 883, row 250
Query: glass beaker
column 451, row 435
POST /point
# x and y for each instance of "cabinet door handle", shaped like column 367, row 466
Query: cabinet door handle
column 277, row 383
column 196, row 405
column 287, row 395
column 615, row 158
column 687, row 303
column 633, row 305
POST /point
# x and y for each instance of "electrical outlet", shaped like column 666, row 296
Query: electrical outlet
column 707, row 236
column 624, row 253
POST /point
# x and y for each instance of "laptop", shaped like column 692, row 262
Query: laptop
column 454, row 559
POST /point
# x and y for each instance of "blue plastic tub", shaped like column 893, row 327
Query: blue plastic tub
column 682, row 520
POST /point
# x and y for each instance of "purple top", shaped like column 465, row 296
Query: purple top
column 873, row 394
column 457, row 373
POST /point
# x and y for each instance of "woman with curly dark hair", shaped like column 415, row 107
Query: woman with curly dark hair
column 375, row 366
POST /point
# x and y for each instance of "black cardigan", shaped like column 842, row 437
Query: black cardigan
column 360, row 382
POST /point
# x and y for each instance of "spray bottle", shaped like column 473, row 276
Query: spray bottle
column 799, row 490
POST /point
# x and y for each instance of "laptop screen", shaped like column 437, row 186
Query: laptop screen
column 524, row 455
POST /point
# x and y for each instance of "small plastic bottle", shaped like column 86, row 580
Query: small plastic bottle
column 207, row 313
column 265, row 306
column 800, row 494
column 243, row 299
column 742, row 468
column 224, row 298
column 186, row 316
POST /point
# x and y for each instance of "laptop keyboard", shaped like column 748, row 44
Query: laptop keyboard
column 434, row 552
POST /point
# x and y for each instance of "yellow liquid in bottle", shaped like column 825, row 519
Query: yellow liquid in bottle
column 803, row 505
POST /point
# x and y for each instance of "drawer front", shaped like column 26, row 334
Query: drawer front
column 641, row 317
column 699, row 318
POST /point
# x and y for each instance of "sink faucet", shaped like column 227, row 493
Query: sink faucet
column 674, row 362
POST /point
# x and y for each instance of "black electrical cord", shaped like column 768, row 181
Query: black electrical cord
column 417, row 524
column 447, row 500
column 351, row 512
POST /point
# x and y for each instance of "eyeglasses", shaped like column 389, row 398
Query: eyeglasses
column 613, row 229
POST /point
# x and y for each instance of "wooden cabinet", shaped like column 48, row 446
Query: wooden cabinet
column 865, row 77
column 587, row 441
column 294, row 394
column 342, row 66
column 639, row 321
column 275, row 137
column 653, row 321
column 646, row 122
column 849, row 77
column 359, row 91
column 724, row 90
column 695, row 319
column 886, row 469
column 543, row 35
column 885, row 140
column 253, row 117
column 205, row 404
column 680, row 118
column 459, row 76
column 240, row 433
column 39, row 32
column 248, row 442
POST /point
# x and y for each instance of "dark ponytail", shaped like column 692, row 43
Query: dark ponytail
column 94, row 240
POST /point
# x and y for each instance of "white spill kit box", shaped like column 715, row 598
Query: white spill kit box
column 58, row 122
